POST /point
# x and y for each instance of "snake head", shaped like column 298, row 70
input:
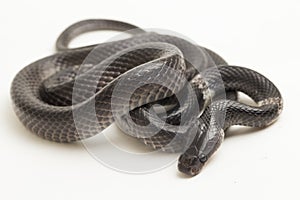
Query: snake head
column 190, row 163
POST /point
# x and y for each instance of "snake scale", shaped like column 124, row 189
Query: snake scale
column 76, row 93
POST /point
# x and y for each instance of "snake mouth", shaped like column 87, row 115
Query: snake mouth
column 189, row 170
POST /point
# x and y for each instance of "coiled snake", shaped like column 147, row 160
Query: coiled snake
column 195, row 86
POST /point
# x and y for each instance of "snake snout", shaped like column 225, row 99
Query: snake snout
column 189, row 164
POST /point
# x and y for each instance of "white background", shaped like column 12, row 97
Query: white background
column 262, row 35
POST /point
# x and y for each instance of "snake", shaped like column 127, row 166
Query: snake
column 78, row 92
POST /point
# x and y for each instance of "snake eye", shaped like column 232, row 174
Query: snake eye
column 203, row 158
column 182, row 159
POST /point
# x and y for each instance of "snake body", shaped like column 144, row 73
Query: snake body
column 48, row 92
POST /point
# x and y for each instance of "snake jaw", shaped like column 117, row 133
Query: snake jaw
column 190, row 165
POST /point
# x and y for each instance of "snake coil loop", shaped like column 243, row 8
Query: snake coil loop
column 186, row 79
